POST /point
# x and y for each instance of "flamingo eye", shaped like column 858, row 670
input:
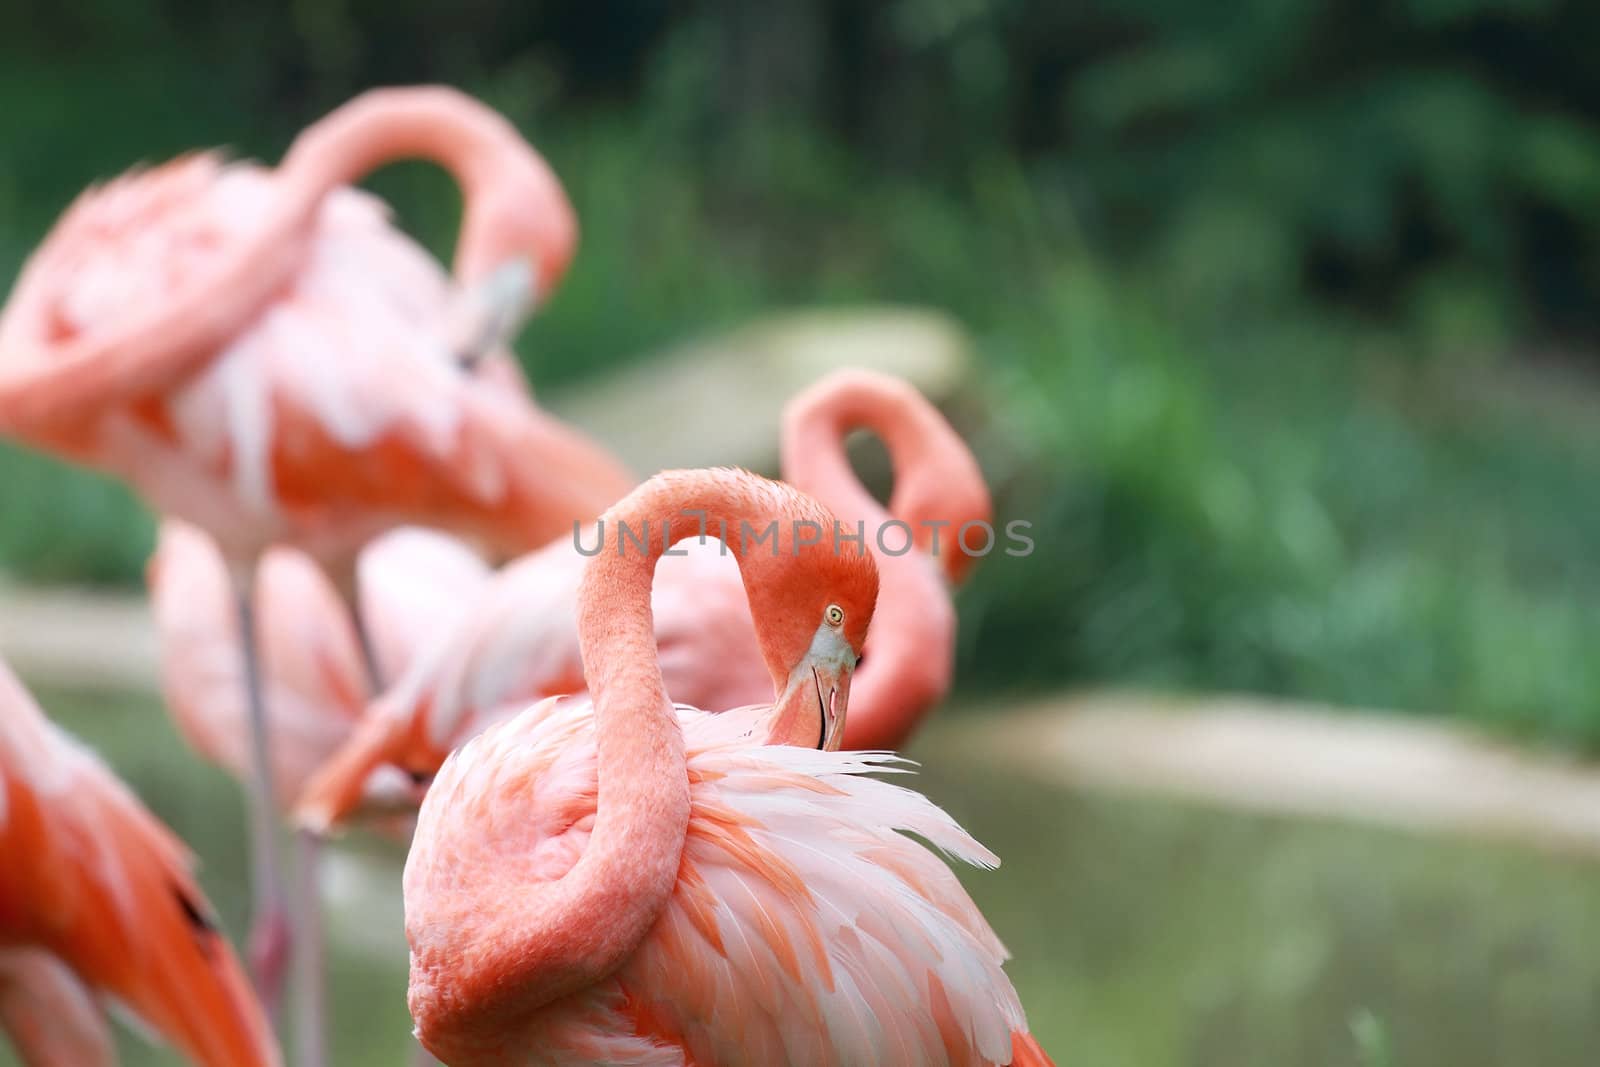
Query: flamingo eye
column 834, row 615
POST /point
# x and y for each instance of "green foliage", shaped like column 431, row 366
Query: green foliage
column 1243, row 288
column 58, row 524
column 1372, row 1040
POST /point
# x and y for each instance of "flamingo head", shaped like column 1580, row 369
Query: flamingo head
column 522, row 235
column 812, row 602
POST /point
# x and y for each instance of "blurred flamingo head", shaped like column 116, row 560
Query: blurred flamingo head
column 523, row 234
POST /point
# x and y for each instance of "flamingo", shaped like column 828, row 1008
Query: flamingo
column 98, row 902
column 518, row 643
column 615, row 879
column 261, row 354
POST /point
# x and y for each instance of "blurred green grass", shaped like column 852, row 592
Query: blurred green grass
column 1144, row 933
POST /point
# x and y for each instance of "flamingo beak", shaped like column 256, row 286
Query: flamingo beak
column 833, row 697
column 517, row 289
column 389, row 790
column 492, row 310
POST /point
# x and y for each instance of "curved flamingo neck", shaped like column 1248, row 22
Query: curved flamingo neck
column 938, row 486
column 512, row 199
column 384, row 125
column 906, row 668
column 501, row 177
column 573, row 932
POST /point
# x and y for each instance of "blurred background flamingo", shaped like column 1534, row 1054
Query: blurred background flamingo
column 98, row 903
column 518, row 642
column 261, row 354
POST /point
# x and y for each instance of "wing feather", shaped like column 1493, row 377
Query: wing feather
column 849, row 940
column 808, row 925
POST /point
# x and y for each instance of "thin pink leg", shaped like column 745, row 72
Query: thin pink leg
column 369, row 651
column 308, row 989
column 345, row 576
column 270, row 936
column 422, row 1057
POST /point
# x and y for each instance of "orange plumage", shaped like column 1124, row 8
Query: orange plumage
column 96, row 882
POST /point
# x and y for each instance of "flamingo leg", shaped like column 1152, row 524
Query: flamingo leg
column 345, row 576
column 309, row 988
column 310, row 981
column 375, row 675
column 369, row 649
column 270, row 934
column 422, row 1057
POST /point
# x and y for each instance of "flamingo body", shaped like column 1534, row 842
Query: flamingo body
column 613, row 878
column 804, row 927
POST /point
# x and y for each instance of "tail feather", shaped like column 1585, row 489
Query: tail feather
column 152, row 944
column 1025, row 1052
column 109, row 891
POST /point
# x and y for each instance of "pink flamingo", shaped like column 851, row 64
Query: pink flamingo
column 98, row 901
column 613, row 879
column 260, row 353
column 518, row 644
